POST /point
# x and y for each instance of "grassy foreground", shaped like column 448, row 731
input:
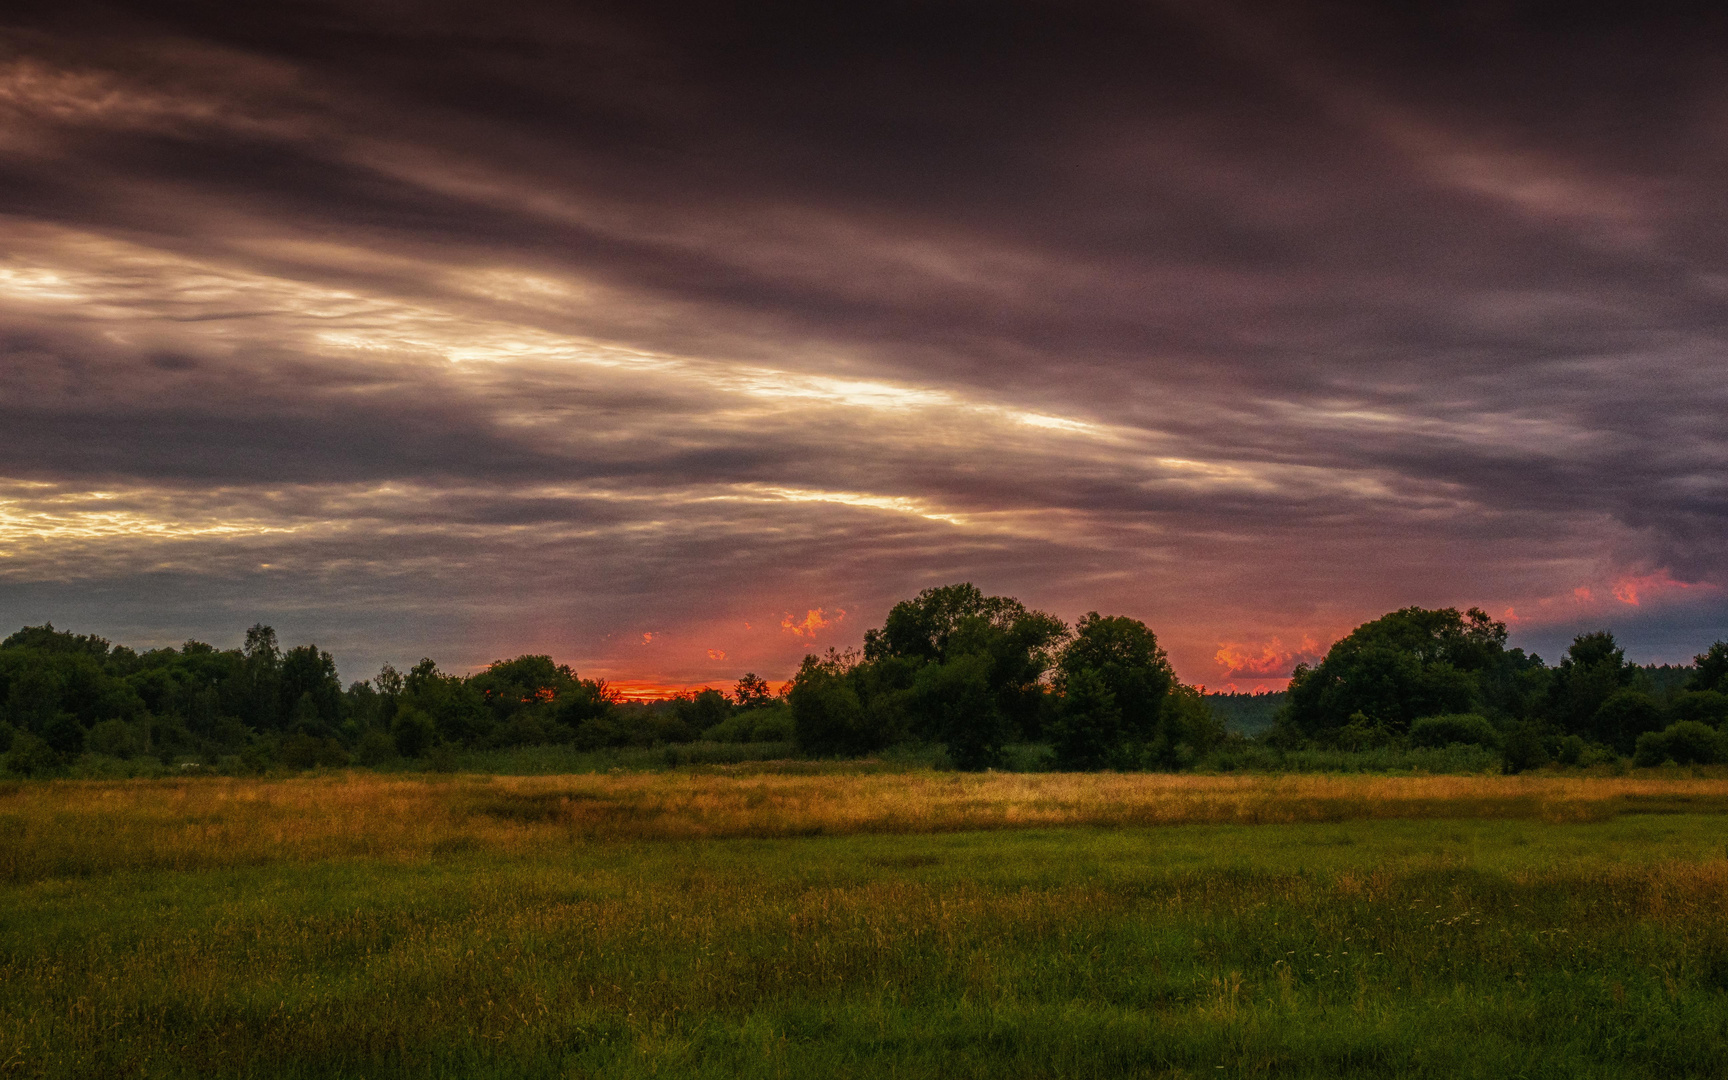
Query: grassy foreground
column 911, row 925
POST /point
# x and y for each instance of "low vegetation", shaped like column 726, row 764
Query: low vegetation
column 743, row 922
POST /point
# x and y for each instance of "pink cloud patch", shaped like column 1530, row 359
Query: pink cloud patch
column 1270, row 660
column 814, row 621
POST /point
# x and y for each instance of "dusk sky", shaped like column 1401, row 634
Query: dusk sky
column 679, row 340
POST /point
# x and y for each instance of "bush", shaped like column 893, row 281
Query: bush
column 374, row 748
column 602, row 730
column 308, row 751
column 65, row 734
column 530, row 729
column 30, row 756
column 772, row 723
column 1705, row 706
column 1523, row 749
column 663, row 726
column 1624, row 717
column 1361, row 733
column 113, row 738
column 1465, row 729
column 703, row 709
column 412, row 731
column 1686, row 743
column 255, row 759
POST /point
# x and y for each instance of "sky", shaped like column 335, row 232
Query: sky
column 679, row 340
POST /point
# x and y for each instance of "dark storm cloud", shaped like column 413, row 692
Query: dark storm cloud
column 557, row 326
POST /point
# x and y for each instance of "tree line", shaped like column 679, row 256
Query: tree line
column 1438, row 677
column 951, row 667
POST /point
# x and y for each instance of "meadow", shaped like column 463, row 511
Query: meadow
column 787, row 921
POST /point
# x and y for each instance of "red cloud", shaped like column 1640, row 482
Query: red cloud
column 1271, row 661
column 813, row 621
column 1628, row 590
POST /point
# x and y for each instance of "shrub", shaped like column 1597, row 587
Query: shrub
column 1626, row 715
column 308, row 751
column 1686, row 743
column 771, row 723
column 65, row 734
column 703, row 709
column 1361, row 733
column 1467, row 729
column 412, row 731
column 604, row 729
column 1705, row 706
column 663, row 726
column 530, row 729
column 1523, row 749
column 113, row 738
column 30, row 756
column 374, row 748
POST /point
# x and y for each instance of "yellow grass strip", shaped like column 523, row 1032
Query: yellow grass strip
column 79, row 827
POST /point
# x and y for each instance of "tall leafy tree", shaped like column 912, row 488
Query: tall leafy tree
column 309, row 691
column 1119, row 705
column 1384, row 674
column 827, row 716
column 1710, row 669
column 961, row 668
column 1593, row 670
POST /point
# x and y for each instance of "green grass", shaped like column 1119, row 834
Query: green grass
column 565, row 760
column 1437, row 947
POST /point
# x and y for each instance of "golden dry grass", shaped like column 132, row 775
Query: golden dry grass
column 79, row 827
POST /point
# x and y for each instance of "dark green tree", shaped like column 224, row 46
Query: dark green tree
column 957, row 705
column 1704, row 706
column 752, row 692
column 1622, row 718
column 456, row 708
column 307, row 674
column 994, row 642
column 702, row 710
column 261, row 676
column 1411, row 663
column 1121, row 705
column 827, row 717
column 1594, row 670
column 1710, row 669
column 1087, row 731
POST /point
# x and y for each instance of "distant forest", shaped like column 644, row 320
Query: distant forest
column 975, row 676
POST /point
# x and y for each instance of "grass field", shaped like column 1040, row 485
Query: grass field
column 739, row 923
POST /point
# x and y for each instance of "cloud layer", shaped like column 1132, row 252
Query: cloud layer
column 657, row 336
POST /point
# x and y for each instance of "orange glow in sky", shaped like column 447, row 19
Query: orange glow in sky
column 813, row 622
